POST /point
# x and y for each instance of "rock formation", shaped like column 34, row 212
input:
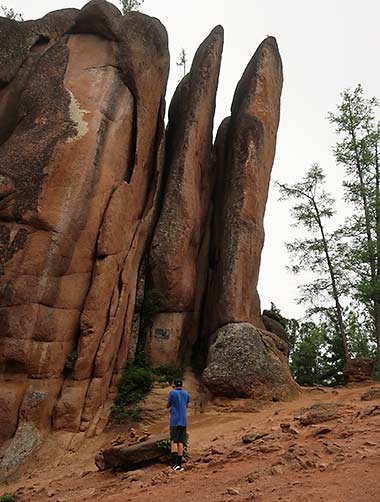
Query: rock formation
column 82, row 169
column 177, row 262
column 245, row 150
column 275, row 323
column 101, row 210
column 247, row 362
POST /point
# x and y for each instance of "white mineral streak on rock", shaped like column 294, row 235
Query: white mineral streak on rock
column 77, row 116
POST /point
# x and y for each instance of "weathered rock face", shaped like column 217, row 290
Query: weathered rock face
column 176, row 262
column 359, row 369
column 82, row 171
column 100, row 208
column 247, row 362
column 276, row 324
column 246, row 147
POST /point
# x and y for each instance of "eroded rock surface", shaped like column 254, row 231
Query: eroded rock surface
column 246, row 147
column 247, row 362
column 176, row 262
column 101, row 209
column 276, row 324
column 359, row 369
column 82, row 171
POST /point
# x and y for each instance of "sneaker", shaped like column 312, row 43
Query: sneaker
column 178, row 468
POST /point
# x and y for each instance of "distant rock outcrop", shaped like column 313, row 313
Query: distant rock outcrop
column 275, row 323
column 102, row 211
column 359, row 369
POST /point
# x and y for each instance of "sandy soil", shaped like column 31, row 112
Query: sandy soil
column 334, row 460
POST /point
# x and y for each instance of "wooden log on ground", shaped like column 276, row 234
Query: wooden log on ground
column 129, row 457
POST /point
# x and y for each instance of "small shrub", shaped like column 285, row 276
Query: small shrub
column 121, row 414
column 140, row 360
column 71, row 359
column 130, row 5
column 168, row 373
column 165, row 446
column 135, row 384
column 16, row 16
column 8, row 497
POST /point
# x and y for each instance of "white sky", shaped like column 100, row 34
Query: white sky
column 326, row 46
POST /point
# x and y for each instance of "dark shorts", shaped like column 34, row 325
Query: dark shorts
column 178, row 434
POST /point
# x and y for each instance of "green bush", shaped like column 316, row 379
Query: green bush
column 165, row 446
column 140, row 360
column 70, row 361
column 168, row 373
column 135, row 384
column 122, row 414
column 8, row 497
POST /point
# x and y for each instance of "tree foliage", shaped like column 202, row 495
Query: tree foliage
column 182, row 61
column 11, row 14
column 307, row 355
column 357, row 151
column 345, row 290
column 318, row 251
column 316, row 355
column 130, row 5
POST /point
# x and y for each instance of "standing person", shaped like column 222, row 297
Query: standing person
column 178, row 401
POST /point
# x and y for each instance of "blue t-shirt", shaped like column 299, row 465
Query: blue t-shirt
column 178, row 400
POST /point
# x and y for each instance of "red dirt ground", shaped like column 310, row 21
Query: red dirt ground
column 334, row 461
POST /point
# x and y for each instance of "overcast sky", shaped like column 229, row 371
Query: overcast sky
column 326, row 46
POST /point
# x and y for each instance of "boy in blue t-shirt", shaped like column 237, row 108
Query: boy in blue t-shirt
column 178, row 401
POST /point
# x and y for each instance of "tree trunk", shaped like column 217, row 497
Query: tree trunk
column 335, row 293
column 376, row 299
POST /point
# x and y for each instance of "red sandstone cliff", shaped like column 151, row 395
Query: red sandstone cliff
column 99, row 207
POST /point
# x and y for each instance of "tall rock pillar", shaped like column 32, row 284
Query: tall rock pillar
column 178, row 259
column 245, row 148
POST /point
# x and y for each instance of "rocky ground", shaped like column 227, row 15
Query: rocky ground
column 323, row 446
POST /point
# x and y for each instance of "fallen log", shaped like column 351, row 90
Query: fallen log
column 129, row 457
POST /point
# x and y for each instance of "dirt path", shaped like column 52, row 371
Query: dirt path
column 334, row 460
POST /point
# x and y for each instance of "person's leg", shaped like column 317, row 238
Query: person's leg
column 181, row 441
column 173, row 446
column 180, row 454
column 174, row 453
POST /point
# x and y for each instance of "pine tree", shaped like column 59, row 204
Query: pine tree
column 357, row 151
column 319, row 251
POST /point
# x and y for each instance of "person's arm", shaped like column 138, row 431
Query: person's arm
column 169, row 401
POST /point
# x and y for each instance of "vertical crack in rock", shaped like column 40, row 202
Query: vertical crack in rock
column 106, row 320
column 100, row 205
column 240, row 204
column 177, row 238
